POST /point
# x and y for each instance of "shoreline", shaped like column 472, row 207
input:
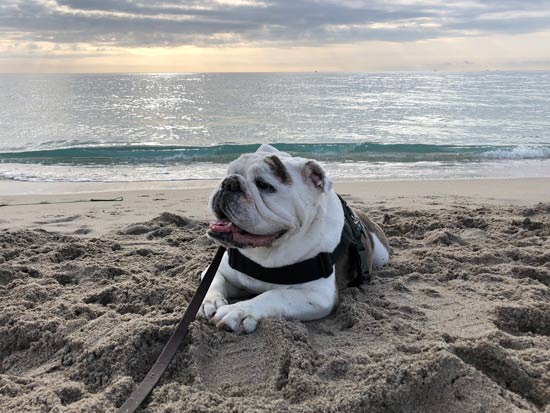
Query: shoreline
column 145, row 200
column 9, row 187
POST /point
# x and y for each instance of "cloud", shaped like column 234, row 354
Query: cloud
column 141, row 23
column 272, row 35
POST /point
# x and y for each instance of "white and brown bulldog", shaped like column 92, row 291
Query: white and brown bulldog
column 277, row 210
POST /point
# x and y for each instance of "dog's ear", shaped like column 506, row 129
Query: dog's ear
column 314, row 174
column 264, row 147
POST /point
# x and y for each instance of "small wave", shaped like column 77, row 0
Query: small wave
column 221, row 154
column 519, row 152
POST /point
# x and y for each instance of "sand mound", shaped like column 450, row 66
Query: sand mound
column 458, row 322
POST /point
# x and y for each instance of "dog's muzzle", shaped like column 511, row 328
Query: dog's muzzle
column 224, row 230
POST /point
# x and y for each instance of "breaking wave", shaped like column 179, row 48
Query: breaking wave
column 335, row 152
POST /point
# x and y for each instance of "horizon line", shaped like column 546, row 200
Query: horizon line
column 278, row 72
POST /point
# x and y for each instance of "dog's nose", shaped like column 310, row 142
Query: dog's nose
column 231, row 183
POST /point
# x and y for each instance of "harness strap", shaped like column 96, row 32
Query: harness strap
column 312, row 269
column 357, row 249
column 169, row 351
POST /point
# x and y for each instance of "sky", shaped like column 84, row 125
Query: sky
column 273, row 35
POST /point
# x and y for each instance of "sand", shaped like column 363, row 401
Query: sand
column 458, row 322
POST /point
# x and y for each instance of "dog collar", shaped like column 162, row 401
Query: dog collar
column 320, row 266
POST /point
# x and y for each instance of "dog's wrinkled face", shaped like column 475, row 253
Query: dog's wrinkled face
column 265, row 198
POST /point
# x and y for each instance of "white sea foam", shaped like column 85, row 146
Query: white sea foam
column 510, row 168
column 519, row 152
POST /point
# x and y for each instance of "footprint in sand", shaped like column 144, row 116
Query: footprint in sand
column 59, row 220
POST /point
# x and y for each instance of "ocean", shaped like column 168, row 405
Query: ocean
column 148, row 127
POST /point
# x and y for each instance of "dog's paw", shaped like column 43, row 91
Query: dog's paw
column 233, row 317
column 210, row 305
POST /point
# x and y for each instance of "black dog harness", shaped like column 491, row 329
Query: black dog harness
column 320, row 266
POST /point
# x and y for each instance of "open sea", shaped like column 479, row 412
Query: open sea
column 143, row 127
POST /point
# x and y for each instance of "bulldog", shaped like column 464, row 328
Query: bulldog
column 276, row 212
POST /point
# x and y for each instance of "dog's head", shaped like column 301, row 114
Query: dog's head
column 266, row 197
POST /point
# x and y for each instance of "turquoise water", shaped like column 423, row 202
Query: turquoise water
column 329, row 152
column 188, row 126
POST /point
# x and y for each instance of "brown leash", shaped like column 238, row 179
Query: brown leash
column 169, row 351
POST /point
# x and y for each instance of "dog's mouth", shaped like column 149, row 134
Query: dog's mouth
column 226, row 232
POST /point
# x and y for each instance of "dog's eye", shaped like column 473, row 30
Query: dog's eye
column 264, row 186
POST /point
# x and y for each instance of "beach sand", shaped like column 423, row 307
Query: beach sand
column 459, row 321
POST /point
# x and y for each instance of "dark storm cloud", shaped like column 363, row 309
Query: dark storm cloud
column 300, row 22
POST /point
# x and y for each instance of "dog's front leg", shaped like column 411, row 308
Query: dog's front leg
column 218, row 293
column 290, row 303
column 215, row 297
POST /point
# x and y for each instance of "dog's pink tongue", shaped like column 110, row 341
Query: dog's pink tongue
column 221, row 225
